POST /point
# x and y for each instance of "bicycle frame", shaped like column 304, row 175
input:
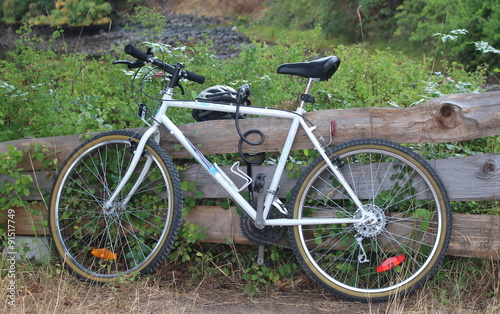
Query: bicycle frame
column 220, row 177
column 116, row 203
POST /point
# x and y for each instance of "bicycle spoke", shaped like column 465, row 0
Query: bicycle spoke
column 406, row 234
column 104, row 240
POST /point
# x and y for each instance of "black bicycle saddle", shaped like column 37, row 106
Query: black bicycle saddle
column 322, row 69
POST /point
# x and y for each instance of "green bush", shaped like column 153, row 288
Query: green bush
column 63, row 94
column 420, row 20
column 355, row 21
column 46, row 94
column 76, row 13
column 302, row 14
column 338, row 18
column 59, row 12
column 404, row 24
column 13, row 10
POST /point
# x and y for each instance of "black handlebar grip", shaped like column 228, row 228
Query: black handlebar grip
column 136, row 53
column 195, row 77
column 142, row 56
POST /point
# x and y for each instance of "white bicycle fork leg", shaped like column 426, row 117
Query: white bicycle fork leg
column 133, row 164
column 142, row 176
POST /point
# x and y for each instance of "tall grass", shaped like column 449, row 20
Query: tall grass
column 462, row 285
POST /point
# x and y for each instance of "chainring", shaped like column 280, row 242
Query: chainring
column 266, row 236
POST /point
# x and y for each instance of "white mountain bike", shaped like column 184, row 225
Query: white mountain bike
column 368, row 219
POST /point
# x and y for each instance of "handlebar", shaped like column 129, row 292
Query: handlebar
column 136, row 53
column 144, row 57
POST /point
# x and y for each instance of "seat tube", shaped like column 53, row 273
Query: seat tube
column 308, row 89
column 273, row 188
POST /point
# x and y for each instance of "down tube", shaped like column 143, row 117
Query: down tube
column 211, row 169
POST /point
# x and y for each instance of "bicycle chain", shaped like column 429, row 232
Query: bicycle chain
column 269, row 235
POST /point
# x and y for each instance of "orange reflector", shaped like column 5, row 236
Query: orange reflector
column 104, row 253
column 390, row 263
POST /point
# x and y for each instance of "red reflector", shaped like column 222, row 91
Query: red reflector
column 390, row 263
column 104, row 253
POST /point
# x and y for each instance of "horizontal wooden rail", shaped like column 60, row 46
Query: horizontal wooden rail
column 446, row 119
column 473, row 235
column 472, row 178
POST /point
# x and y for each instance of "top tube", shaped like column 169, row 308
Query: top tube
column 259, row 111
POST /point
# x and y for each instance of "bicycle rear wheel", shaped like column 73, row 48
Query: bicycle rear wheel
column 406, row 239
column 98, row 242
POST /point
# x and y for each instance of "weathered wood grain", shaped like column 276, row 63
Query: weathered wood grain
column 473, row 235
column 446, row 119
column 472, row 178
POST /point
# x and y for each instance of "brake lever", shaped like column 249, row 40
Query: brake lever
column 130, row 64
column 182, row 88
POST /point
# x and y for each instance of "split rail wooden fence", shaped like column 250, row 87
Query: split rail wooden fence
column 450, row 118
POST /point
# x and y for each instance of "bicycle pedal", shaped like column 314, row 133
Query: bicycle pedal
column 258, row 185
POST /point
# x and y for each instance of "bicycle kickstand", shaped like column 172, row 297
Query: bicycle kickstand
column 260, row 255
column 259, row 185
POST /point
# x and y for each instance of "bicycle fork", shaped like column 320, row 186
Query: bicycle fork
column 138, row 152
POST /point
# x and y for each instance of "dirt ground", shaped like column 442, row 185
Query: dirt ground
column 51, row 291
column 205, row 299
column 47, row 288
column 67, row 295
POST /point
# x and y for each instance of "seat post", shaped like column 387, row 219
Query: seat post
column 308, row 89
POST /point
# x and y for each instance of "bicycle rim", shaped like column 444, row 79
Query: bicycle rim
column 99, row 242
column 406, row 239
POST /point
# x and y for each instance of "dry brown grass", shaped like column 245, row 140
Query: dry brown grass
column 50, row 290
column 216, row 8
column 459, row 287
column 42, row 291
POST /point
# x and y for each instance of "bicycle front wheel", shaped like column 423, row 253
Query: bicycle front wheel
column 401, row 245
column 98, row 241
